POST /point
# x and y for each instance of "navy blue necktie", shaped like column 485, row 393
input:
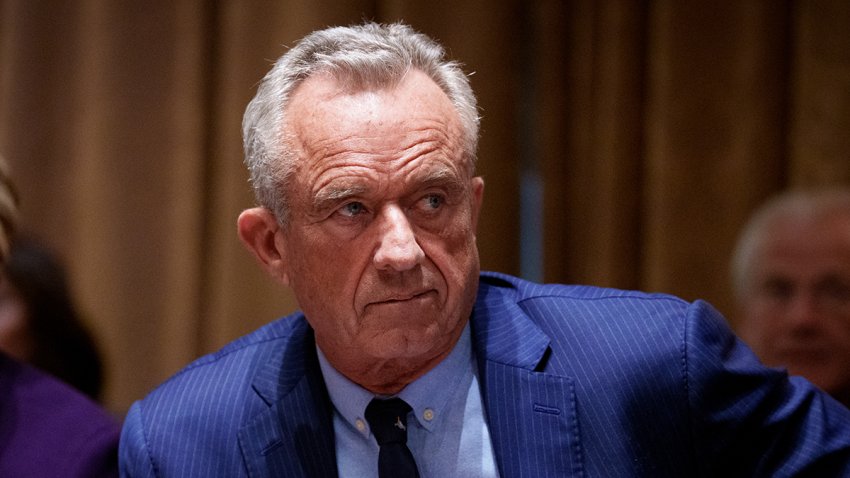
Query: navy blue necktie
column 388, row 422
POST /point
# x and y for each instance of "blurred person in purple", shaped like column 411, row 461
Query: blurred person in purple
column 47, row 428
column 39, row 321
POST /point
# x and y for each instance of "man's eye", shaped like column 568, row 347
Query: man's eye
column 834, row 291
column 433, row 201
column 352, row 209
column 778, row 289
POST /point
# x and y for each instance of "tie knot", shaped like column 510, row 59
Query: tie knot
column 388, row 420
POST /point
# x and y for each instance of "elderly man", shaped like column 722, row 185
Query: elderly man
column 405, row 360
column 792, row 280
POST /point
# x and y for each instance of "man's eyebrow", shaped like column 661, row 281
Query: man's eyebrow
column 329, row 196
column 440, row 177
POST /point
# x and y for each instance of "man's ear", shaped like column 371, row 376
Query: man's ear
column 258, row 229
column 477, row 199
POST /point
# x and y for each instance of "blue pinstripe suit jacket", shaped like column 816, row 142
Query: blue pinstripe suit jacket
column 577, row 381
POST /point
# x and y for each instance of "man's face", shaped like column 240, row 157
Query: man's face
column 797, row 313
column 380, row 244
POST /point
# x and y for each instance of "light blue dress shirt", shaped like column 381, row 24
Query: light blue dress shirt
column 449, row 435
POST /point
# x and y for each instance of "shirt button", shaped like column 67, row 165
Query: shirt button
column 360, row 425
column 428, row 414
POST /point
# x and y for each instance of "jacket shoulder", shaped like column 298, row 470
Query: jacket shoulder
column 505, row 287
column 193, row 418
column 223, row 379
column 584, row 324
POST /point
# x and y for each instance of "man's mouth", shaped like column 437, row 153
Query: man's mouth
column 404, row 297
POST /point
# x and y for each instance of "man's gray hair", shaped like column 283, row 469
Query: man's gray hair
column 366, row 56
column 794, row 204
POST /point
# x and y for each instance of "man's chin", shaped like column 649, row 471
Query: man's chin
column 399, row 344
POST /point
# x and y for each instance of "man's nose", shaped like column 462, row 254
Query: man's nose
column 397, row 247
column 804, row 311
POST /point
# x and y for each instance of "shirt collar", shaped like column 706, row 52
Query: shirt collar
column 428, row 395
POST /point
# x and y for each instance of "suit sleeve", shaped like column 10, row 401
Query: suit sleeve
column 134, row 457
column 749, row 420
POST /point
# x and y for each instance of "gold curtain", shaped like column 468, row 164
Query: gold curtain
column 652, row 127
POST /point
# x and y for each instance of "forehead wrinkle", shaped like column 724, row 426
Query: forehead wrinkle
column 349, row 164
column 418, row 154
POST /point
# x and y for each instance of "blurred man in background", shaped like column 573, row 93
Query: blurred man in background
column 791, row 272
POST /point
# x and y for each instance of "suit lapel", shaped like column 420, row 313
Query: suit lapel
column 293, row 436
column 531, row 414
